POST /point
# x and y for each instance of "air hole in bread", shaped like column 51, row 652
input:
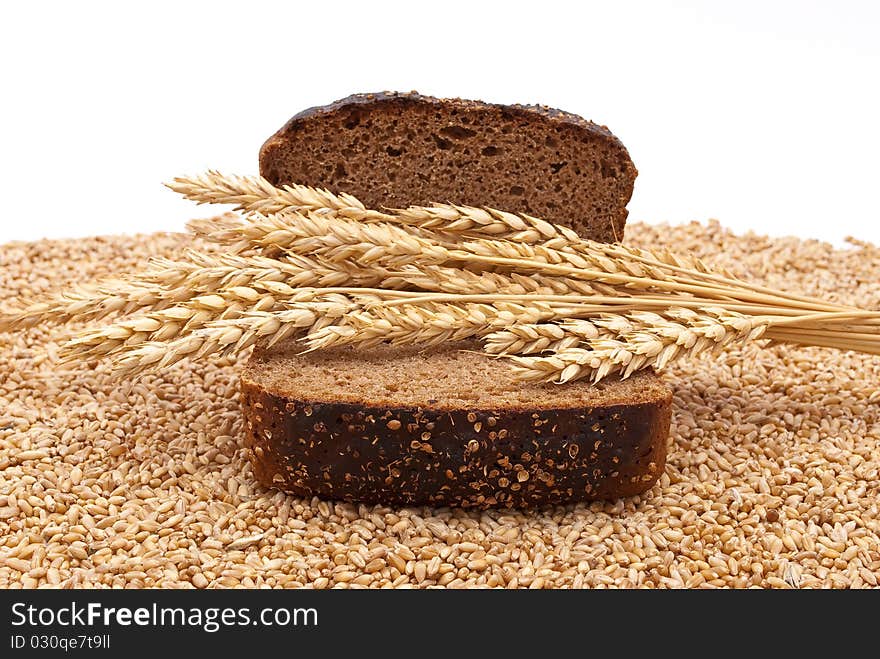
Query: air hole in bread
column 457, row 132
column 353, row 121
column 441, row 143
column 608, row 170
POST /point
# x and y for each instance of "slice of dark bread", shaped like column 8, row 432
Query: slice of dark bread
column 445, row 426
column 395, row 150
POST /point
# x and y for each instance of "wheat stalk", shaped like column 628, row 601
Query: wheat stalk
column 386, row 245
column 689, row 270
column 255, row 193
column 592, row 265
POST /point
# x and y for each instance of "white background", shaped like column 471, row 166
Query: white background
column 761, row 114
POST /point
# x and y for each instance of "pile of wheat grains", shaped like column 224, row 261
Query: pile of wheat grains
column 773, row 475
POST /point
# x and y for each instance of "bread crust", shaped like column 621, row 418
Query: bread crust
column 413, row 98
column 469, row 458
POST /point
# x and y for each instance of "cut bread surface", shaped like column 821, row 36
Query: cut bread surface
column 452, row 376
column 396, row 150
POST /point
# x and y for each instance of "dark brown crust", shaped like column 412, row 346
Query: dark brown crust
column 617, row 215
column 413, row 98
column 470, row 458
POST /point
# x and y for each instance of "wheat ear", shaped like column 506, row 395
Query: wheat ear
column 655, row 343
column 533, row 338
column 428, row 323
column 166, row 283
column 337, row 239
column 85, row 301
column 256, row 194
column 218, row 338
column 333, row 238
column 177, row 322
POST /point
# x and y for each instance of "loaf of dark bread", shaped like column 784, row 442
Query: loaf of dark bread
column 442, row 426
column 396, row 150
column 446, row 426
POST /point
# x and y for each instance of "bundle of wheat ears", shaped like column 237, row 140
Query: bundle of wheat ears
column 299, row 261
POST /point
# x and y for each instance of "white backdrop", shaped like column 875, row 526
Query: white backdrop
column 761, row 114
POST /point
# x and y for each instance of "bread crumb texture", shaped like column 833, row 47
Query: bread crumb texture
column 772, row 475
column 439, row 378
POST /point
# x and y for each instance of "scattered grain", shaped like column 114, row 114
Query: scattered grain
column 773, row 475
